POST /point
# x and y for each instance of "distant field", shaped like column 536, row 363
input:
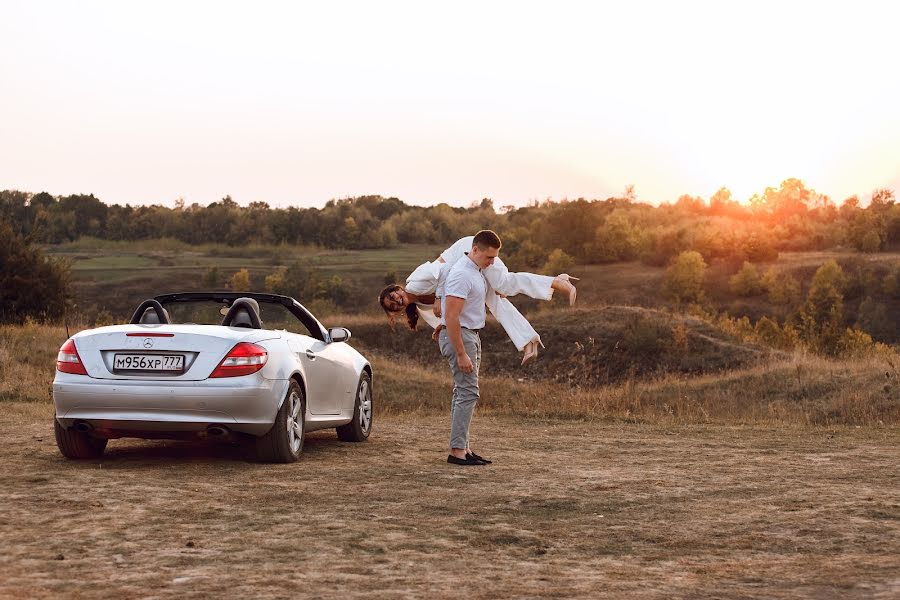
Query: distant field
column 118, row 275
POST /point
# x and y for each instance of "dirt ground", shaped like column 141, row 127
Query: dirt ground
column 568, row 510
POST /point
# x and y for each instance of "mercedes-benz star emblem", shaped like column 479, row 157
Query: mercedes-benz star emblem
column 148, row 343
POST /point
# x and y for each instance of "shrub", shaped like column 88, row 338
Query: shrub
column 768, row 332
column 873, row 318
column 870, row 242
column 783, row 288
column 558, row 262
column 823, row 312
column 746, row 282
column 855, row 344
column 684, row 278
column 31, row 285
column 830, row 273
column 240, row 281
column 274, row 282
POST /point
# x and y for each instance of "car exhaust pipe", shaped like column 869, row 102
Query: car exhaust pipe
column 217, row 431
column 82, row 427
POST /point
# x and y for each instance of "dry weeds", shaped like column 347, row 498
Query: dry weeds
column 569, row 510
column 785, row 389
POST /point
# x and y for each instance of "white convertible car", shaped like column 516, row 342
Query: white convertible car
column 211, row 365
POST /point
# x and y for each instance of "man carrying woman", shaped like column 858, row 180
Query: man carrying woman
column 420, row 297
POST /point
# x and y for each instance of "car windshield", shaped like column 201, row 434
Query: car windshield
column 212, row 312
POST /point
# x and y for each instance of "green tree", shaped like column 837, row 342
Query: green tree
column 746, row 282
column 870, row 242
column 823, row 313
column 31, row 285
column 617, row 239
column 769, row 333
column 684, row 279
column 783, row 288
column 558, row 262
column 830, row 273
column 874, row 318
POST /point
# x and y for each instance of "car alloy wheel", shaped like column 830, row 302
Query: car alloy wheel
column 360, row 425
column 294, row 422
column 283, row 443
column 364, row 398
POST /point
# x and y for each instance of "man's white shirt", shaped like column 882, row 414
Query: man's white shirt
column 465, row 280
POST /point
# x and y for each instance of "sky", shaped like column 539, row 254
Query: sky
column 295, row 103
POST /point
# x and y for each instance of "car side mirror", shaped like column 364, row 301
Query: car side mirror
column 339, row 334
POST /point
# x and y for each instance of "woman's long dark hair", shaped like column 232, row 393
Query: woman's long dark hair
column 412, row 313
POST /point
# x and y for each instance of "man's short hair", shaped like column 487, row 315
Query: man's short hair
column 485, row 239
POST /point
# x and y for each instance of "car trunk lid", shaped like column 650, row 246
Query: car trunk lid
column 160, row 352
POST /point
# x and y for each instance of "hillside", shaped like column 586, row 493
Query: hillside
column 588, row 347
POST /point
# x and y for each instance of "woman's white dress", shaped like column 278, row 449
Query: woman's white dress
column 428, row 278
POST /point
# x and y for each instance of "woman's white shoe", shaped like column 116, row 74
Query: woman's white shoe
column 565, row 284
column 531, row 349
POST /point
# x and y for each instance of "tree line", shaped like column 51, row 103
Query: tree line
column 789, row 217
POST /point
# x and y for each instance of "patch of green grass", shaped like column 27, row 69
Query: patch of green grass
column 115, row 261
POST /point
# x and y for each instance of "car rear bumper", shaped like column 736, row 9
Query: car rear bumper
column 243, row 404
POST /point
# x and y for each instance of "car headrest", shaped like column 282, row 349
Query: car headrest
column 150, row 312
column 151, row 318
column 242, row 318
column 244, row 312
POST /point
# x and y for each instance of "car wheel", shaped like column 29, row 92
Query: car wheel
column 284, row 442
column 360, row 426
column 77, row 444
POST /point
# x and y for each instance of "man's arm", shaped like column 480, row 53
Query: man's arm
column 454, row 333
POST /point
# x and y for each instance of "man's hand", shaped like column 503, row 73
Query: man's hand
column 437, row 332
column 499, row 294
column 436, row 309
column 465, row 363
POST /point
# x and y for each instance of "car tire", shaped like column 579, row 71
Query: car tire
column 77, row 444
column 284, row 442
column 360, row 426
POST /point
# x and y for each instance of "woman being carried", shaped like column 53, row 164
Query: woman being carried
column 420, row 297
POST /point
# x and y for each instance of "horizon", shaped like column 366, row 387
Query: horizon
column 295, row 105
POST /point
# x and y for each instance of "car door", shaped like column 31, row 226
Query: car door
column 324, row 369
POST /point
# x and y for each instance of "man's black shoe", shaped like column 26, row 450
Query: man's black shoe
column 467, row 461
column 481, row 458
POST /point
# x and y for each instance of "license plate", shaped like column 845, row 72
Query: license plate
column 148, row 362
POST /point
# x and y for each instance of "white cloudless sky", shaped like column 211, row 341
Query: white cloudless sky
column 294, row 103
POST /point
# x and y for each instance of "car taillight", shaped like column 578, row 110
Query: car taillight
column 244, row 359
column 68, row 361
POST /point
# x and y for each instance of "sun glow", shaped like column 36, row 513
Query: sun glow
column 298, row 103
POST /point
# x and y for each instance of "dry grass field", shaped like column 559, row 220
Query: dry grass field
column 570, row 509
column 775, row 479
